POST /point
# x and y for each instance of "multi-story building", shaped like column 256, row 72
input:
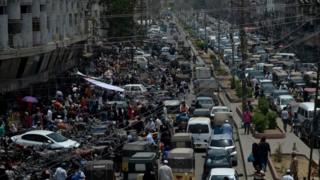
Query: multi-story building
column 39, row 38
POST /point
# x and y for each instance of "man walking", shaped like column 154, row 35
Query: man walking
column 264, row 150
column 247, row 118
column 285, row 118
column 287, row 176
column 165, row 172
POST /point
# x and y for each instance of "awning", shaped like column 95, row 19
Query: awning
column 86, row 76
column 104, row 85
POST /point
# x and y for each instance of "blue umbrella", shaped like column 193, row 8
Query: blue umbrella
column 30, row 99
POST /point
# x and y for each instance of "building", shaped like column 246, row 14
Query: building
column 40, row 38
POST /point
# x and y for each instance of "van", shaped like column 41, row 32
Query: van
column 305, row 111
column 200, row 128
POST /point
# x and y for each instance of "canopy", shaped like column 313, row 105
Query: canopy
column 104, row 85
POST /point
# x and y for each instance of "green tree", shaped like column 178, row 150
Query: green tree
column 263, row 105
column 260, row 122
column 272, row 119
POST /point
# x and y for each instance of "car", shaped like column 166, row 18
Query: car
column 283, row 101
column 275, row 94
column 220, row 109
column 224, row 141
column 40, row 138
column 204, row 102
column 135, row 89
column 221, row 173
column 216, row 158
column 200, row 128
column 266, row 89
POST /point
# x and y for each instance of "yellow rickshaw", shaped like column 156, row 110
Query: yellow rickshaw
column 182, row 163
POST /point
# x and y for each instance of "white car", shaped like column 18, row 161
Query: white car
column 224, row 141
column 283, row 101
column 42, row 137
column 219, row 109
column 221, row 173
column 135, row 89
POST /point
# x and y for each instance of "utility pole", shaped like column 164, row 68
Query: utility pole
column 205, row 29
column 315, row 124
column 243, row 55
column 219, row 22
column 232, row 46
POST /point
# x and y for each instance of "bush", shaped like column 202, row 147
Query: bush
column 200, row 44
column 233, row 82
column 260, row 122
column 263, row 105
column 272, row 119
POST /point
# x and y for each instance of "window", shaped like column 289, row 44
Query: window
column 135, row 88
column 25, row 9
column 35, row 24
column 221, row 143
column 3, row 10
column 43, row 8
column 198, row 128
column 57, row 137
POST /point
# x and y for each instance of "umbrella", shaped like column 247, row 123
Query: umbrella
column 30, row 99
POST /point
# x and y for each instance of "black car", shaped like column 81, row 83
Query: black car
column 216, row 158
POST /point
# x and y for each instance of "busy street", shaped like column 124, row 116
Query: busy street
column 158, row 90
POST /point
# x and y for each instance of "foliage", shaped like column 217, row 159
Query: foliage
column 238, row 87
column 260, row 122
column 233, row 82
column 263, row 105
column 220, row 71
column 200, row 44
column 272, row 119
column 278, row 153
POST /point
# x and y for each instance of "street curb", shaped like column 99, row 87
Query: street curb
column 273, row 171
column 240, row 143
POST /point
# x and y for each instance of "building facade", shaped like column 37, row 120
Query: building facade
column 39, row 38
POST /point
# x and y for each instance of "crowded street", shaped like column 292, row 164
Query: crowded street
column 156, row 90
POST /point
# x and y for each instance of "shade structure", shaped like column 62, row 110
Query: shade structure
column 104, row 85
column 30, row 99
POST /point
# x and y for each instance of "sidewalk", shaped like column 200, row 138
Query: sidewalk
column 286, row 143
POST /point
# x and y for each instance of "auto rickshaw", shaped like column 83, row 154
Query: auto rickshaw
column 182, row 140
column 99, row 170
column 130, row 149
column 172, row 107
column 182, row 163
column 139, row 163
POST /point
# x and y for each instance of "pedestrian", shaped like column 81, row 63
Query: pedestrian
column 285, row 118
column 256, row 91
column 247, row 119
column 79, row 174
column 9, row 172
column 184, row 107
column 287, row 176
column 60, row 173
column 165, row 172
column 255, row 155
column 149, row 138
column 264, row 150
column 294, row 167
column 148, row 175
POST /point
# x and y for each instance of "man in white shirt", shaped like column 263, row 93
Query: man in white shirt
column 165, row 172
column 287, row 176
column 60, row 173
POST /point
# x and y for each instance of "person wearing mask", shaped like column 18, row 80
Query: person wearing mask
column 264, row 151
column 60, row 173
column 165, row 172
column 285, row 118
column 287, row 176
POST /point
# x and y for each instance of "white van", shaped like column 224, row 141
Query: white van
column 306, row 111
column 200, row 128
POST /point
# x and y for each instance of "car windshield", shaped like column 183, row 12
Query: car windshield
column 197, row 113
column 221, row 142
column 57, row 137
column 198, row 128
column 205, row 101
column 220, row 110
column 286, row 101
column 222, row 177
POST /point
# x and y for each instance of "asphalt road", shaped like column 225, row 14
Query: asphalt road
column 199, row 160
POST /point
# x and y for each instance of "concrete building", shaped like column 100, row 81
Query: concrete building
column 40, row 38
